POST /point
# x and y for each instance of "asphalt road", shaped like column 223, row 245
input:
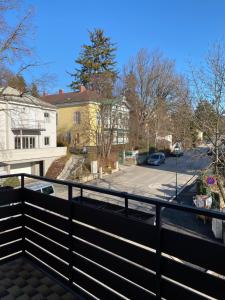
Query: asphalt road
column 157, row 181
column 151, row 181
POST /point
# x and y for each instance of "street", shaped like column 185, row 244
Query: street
column 157, row 181
column 151, row 181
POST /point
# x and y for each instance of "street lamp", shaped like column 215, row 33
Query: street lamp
column 176, row 150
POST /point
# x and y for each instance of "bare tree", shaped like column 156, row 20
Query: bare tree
column 209, row 88
column 151, row 85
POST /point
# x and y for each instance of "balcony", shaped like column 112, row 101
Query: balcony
column 27, row 124
column 92, row 249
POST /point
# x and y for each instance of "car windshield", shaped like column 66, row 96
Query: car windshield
column 154, row 156
column 48, row 190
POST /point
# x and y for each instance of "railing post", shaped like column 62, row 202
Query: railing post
column 70, row 232
column 81, row 192
column 22, row 181
column 158, row 252
column 23, row 213
column 126, row 204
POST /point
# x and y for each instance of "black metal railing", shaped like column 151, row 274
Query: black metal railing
column 110, row 254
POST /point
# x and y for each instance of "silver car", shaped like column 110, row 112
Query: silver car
column 156, row 159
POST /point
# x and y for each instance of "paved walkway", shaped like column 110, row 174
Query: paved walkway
column 185, row 221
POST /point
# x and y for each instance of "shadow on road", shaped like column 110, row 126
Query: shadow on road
column 185, row 221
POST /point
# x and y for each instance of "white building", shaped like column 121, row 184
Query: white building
column 27, row 133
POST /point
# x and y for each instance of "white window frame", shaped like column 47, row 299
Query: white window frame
column 47, row 117
column 47, row 138
column 77, row 117
column 25, row 142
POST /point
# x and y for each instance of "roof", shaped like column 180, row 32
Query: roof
column 11, row 94
column 37, row 185
column 71, row 97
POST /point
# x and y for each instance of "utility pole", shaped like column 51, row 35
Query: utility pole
column 176, row 149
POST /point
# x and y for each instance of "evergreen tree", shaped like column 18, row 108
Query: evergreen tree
column 97, row 65
column 34, row 90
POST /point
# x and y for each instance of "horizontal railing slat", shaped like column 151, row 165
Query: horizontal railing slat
column 11, row 248
column 193, row 278
column 53, row 248
column 51, row 203
column 194, row 250
column 93, row 287
column 46, row 217
column 109, row 279
column 10, row 236
column 10, row 196
column 11, row 223
column 48, row 259
column 172, row 291
column 128, row 228
column 10, row 210
column 47, row 231
column 135, row 274
column 129, row 251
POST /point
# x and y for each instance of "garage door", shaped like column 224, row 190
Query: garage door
column 20, row 168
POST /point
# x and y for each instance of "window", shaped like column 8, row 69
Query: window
column 32, row 142
column 47, row 117
column 76, row 117
column 47, row 141
column 17, row 142
column 48, row 190
column 25, row 142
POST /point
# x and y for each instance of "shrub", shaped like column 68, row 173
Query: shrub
column 12, row 181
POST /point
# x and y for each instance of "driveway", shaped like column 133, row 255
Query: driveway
column 157, row 181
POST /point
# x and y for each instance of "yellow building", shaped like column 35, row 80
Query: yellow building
column 81, row 116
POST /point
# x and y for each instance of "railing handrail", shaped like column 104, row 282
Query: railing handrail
column 125, row 195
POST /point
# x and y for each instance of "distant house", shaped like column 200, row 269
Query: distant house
column 80, row 117
column 27, row 133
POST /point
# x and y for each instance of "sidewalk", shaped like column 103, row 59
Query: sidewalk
column 186, row 222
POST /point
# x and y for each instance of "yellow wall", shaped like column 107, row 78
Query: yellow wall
column 87, row 126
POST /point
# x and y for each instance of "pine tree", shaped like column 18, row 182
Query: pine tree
column 97, row 65
column 34, row 90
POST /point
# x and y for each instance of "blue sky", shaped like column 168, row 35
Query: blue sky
column 181, row 29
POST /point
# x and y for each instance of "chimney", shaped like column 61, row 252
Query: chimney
column 82, row 89
column 61, row 92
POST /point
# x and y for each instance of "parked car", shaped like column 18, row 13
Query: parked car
column 156, row 159
column 177, row 150
column 41, row 187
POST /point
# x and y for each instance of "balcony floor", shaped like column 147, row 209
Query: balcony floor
column 22, row 280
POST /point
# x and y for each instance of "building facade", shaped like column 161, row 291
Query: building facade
column 27, row 133
column 83, row 116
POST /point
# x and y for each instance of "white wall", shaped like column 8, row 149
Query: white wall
column 31, row 117
column 14, row 115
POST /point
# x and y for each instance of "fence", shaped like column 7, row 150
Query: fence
column 110, row 253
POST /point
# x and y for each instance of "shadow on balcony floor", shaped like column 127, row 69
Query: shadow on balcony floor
column 22, row 280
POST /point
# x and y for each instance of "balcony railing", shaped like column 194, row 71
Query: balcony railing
column 110, row 252
column 27, row 124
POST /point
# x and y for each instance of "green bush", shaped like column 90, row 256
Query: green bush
column 215, row 200
column 12, row 181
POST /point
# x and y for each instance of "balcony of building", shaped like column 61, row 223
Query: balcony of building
column 82, row 247
column 27, row 124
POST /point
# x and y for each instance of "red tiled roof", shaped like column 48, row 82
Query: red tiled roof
column 61, row 98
